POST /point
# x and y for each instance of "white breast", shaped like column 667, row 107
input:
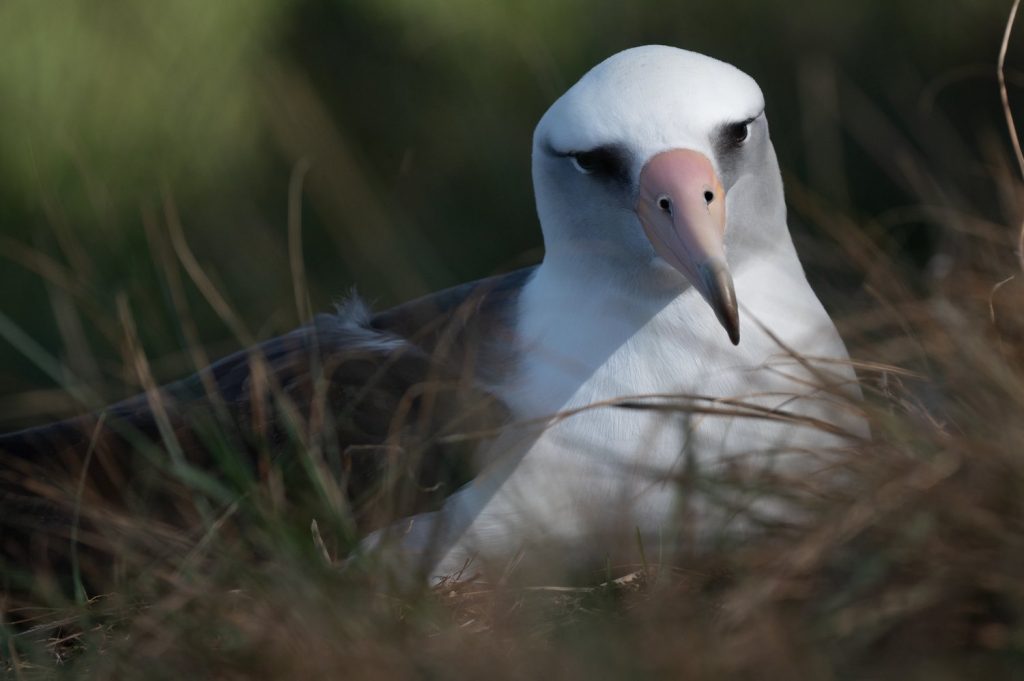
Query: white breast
column 615, row 468
column 589, row 483
column 619, row 344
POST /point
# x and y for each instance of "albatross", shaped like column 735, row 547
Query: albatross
column 669, row 328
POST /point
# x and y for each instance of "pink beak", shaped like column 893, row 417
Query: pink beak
column 681, row 206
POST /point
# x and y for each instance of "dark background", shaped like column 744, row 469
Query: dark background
column 415, row 118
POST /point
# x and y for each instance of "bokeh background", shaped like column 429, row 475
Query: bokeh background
column 398, row 133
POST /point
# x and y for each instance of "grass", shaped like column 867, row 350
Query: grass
column 910, row 568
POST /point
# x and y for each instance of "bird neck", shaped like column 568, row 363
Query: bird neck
column 576, row 323
column 756, row 214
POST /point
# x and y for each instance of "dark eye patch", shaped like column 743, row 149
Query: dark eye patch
column 735, row 133
column 600, row 161
column 607, row 162
column 732, row 135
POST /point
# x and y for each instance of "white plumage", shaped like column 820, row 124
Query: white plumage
column 611, row 314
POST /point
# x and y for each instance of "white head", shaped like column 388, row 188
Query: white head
column 657, row 164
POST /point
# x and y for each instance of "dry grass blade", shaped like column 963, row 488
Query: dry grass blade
column 295, row 239
column 902, row 558
column 1003, row 94
column 199, row 277
column 1008, row 114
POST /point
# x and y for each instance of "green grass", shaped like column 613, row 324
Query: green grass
column 908, row 567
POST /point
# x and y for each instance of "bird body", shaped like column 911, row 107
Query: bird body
column 664, row 221
column 611, row 335
column 587, row 474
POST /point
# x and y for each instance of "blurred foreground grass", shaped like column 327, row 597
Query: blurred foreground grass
column 907, row 214
column 910, row 569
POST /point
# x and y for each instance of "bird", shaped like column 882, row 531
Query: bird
column 669, row 328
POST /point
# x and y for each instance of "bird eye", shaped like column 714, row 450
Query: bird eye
column 608, row 162
column 587, row 162
column 737, row 133
column 605, row 162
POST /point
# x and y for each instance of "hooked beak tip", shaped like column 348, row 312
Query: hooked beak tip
column 734, row 334
column 721, row 295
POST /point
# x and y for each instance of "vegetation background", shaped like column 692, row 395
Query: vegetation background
column 397, row 134
column 415, row 121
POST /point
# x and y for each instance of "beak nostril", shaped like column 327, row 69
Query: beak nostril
column 665, row 204
column 709, row 196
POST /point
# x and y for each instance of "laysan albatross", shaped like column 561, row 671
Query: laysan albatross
column 669, row 287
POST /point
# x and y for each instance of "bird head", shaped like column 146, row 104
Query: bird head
column 658, row 163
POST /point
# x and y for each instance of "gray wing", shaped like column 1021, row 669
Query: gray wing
column 367, row 403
